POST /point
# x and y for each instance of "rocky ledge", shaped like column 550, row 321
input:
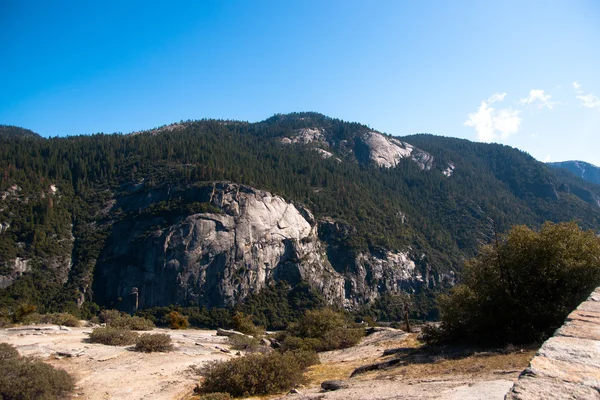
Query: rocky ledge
column 567, row 366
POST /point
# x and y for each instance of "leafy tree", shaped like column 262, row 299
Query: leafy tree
column 521, row 288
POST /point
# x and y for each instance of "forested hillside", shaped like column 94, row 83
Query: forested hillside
column 435, row 199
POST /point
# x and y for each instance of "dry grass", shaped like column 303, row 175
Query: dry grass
column 474, row 365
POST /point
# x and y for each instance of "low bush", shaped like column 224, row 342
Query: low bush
column 321, row 330
column 176, row 321
column 256, row 374
column 29, row 378
column 64, row 319
column 132, row 323
column 243, row 323
column 7, row 351
column 148, row 342
column 113, row 336
column 117, row 319
column 246, row 343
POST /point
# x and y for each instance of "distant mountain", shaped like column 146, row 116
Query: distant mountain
column 586, row 171
column 209, row 212
column 10, row 131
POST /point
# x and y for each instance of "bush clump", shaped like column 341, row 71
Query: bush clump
column 243, row 323
column 117, row 319
column 29, row 378
column 520, row 289
column 321, row 330
column 176, row 321
column 113, row 336
column 64, row 319
column 148, row 342
column 256, row 374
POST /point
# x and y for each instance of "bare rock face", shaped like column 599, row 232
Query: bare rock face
column 387, row 152
column 217, row 259
column 305, row 136
column 567, row 366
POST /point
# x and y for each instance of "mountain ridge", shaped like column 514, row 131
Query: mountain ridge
column 379, row 203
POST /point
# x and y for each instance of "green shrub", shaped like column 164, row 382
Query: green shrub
column 255, row 374
column 117, row 319
column 22, row 311
column 7, row 351
column 246, row 343
column 132, row 323
column 64, row 319
column 321, row 330
column 243, row 323
column 149, row 343
column 29, row 378
column 522, row 288
column 113, row 336
column 107, row 316
column 176, row 321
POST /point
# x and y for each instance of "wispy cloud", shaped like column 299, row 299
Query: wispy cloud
column 538, row 97
column 491, row 124
column 588, row 100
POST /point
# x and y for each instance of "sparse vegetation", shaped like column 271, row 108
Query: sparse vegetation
column 28, row 378
column 148, row 342
column 113, row 336
column 522, row 288
column 257, row 374
column 117, row 319
column 215, row 396
column 64, row 319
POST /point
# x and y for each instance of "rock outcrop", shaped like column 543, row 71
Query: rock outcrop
column 387, row 152
column 567, row 366
column 218, row 258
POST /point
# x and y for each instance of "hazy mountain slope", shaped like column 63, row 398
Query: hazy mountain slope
column 586, row 171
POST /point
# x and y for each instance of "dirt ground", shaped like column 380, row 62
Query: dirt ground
column 115, row 372
column 442, row 374
column 109, row 372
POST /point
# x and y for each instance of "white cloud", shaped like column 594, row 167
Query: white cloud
column 589, row 100
column 538, row 96
column 492, row 125
column 576, row 85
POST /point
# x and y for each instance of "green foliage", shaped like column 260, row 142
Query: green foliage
column 64, row 319
column 24, row 378
column 176, row 320
column 247, row 343
column 243, row 323
column 256, row 374
column 522, row 289
column 148, row 342
column 113, row 336
column 321, row 330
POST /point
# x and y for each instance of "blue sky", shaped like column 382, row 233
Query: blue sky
column 523, row 73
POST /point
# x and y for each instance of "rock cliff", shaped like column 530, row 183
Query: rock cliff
column 218, row 258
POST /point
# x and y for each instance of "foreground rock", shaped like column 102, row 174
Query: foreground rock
column 567, row 366
column 115, row 372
